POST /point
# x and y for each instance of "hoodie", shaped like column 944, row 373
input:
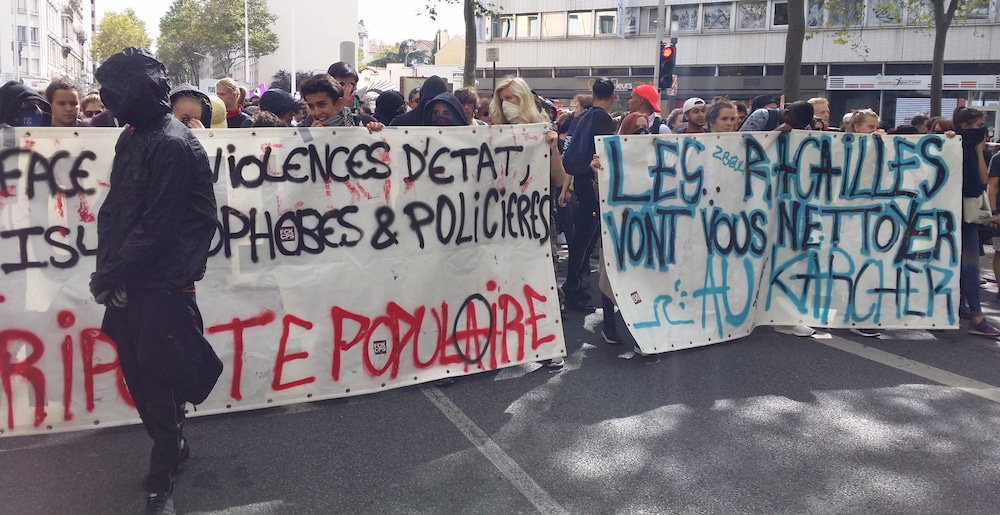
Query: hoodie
column 432, row 87
column 188, row 90
column 12, row 94
column 157, row 221
column 455, row 113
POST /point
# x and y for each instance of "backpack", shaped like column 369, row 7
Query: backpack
column 657, row 123
column 580, row 145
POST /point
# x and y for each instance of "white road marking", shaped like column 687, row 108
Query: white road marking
column 504, row 463
column 986, row 391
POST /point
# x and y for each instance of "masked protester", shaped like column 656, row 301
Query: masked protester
column 444, row 109
column 154, row 231
column 21, row 106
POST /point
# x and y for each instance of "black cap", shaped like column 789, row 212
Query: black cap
column 603, row 87
column 279, row 102
column 760, row 101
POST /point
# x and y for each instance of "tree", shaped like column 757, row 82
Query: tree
column 792, row 77
column 223, row 20
column 183, row 42
column 116, row 32
column 471, row 10
column 282, row 79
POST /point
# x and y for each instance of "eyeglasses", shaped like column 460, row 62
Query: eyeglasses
column 91, row 114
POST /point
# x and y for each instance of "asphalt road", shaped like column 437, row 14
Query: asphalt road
column 907, row 423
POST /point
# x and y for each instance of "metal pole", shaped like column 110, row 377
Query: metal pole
column 494, row 75
column 659, row 41
column 292, row 25
column 246, row 41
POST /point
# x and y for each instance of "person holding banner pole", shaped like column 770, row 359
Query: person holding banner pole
column 971, row 125
column 154, row 231
column 514, row 103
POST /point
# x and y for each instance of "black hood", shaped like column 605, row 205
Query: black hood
column 454, row 109
column 387, row 106
column 134, row 87
column 11, row 96
column 432, row 87
column 187, row 90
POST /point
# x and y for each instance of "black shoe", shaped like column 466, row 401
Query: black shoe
column 446, row 381
column 159, row 504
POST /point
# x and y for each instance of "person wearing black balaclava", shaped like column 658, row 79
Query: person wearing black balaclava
column 21, row 106
column 970, row 124
column 154, row 231
column 431, row 88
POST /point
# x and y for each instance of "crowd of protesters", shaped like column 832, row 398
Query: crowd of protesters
column 332, row 100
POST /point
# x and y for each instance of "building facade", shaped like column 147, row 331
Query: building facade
column 44, row 39
column 737, row 49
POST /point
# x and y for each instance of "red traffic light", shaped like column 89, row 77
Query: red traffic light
column 668, row 52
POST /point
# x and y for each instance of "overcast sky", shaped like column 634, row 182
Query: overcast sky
column 388, row 20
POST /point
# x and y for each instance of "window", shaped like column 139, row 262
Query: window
column 920, row 13
column 553, row 25
column 631, row 21
column 779, row 14
column 22, row 33
column 527, row 26
column 977, row 10
column 814, row 13
column 844, row 12
column 571, row 72
column 607, row 23
column 717, row 16
column 741, row 71
column 686, row 16
column 648, row 21
column 503, row 27
column 611, row 72
column 22, row 5
column 884, row 12
column 581, row 24
column 751, row 15
column 535, row 73
column 34, row 35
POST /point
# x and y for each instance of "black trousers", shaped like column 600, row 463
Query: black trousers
column 586, row 234
column 145, row 332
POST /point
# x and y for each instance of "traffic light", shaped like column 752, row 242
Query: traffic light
column 668, row 57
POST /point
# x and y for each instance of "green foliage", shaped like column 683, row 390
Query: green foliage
column 192, row 29
column 182, row 41
column 116, row 32
column 222, row 21
column 283, row 80
column 479, row 8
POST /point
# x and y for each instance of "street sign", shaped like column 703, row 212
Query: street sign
column 492, row 54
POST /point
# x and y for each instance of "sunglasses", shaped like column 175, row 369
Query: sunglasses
column 91, row 114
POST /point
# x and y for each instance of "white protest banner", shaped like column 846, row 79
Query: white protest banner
column 706, row 237
column 344, row 263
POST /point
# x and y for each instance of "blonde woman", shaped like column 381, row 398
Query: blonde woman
column 227, row 90
column 513, row 102
column 864, row 121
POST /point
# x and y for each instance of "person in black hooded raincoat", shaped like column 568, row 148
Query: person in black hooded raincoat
column 432, row 87
column 21, row 106
column 154, row 231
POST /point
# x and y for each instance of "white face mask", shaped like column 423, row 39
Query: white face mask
column 511, row 112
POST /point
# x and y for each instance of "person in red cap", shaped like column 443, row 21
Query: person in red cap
column 646, row 100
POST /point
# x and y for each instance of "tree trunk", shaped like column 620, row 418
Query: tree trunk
column 937, row 67
column 469, row 76
column 793, row 50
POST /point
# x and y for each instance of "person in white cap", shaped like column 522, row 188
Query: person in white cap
column 645, row 99
column 694, row 116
